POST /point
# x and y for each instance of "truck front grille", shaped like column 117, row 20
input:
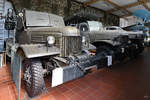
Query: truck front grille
column 72, row 45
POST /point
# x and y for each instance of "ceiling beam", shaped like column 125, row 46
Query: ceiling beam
column 145, row 5
column 124, row 16
column 110, row 2
column 96, row 8
column 129, row 5
column 90, row 2
column 117, row 6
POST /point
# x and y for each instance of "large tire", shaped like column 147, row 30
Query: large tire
column 35, row 81
column 102, row 49
column 106, row 50
column 141, row 49
column 83, row 27
column 135, row 53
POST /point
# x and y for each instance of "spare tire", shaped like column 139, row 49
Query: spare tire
column 83, row 27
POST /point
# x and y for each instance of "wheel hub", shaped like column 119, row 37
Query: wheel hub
column 27, row 76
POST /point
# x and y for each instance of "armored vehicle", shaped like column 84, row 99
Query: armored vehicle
column 47, row 47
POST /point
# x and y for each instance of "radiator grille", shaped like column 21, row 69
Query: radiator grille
column 72, row 45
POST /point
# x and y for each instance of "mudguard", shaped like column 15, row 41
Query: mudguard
column 38, row 50
column 89, row 47
column 110, row 42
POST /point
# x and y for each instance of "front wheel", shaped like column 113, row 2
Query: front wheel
column 33, row 76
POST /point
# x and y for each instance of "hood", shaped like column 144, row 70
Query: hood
column 66, row 31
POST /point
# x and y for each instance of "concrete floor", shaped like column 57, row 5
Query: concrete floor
column 125, row 81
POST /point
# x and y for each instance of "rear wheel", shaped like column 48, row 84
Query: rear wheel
column 135, row 52
column 105, row 49
column 141, row 49
column 33, row 76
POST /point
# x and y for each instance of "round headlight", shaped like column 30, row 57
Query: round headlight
column 83, row 39
column 51, row 40
column 21, row 14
